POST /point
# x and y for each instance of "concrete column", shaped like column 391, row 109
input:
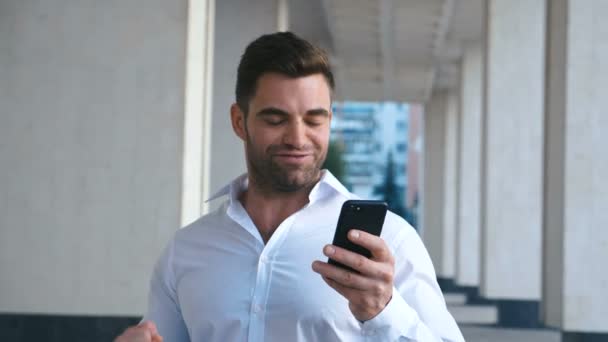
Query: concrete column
column 468, row 237
column 237, row 23
column 432, row 230
column 513, row 158
column 92, row 98
column 197, row 113
column 576, row 189
column 282, row 15
column 450, row 185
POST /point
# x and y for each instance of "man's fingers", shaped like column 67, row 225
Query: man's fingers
column 369, row 289
column 143, row 332
column 150, row 326
column 373, row 243
column 341, row 276
column 355, row 261
column 135, row 334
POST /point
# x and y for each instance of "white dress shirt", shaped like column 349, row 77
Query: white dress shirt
column 217, row 280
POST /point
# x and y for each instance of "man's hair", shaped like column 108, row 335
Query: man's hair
column 283, row 53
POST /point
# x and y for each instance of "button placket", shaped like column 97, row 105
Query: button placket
column 262, row 285
column 258, row 300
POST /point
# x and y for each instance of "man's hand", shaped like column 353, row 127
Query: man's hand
column 369, row 291
column 144, row 332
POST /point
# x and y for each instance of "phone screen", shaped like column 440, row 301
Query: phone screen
column 363, row 215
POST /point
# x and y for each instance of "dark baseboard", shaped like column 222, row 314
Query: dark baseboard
column 448, row 285
column 519, row 313
column 474, row 298
column 62, row 328
column 511, row 313
column 472, row 292
column 56, row 328
column 584, row 337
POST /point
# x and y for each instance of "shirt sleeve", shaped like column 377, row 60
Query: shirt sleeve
column 417, row 310
column 163, row 306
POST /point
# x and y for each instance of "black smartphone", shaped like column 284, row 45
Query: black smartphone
column 363, row 215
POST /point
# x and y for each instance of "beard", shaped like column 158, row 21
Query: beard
column 270, row 175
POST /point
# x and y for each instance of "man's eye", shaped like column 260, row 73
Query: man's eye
column 274, row 122
column 315, row 123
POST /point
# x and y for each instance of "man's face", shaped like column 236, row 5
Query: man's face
column 286, row 131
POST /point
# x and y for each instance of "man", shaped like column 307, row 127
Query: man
column 255, row 268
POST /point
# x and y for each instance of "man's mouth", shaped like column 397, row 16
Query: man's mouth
column 294, row 158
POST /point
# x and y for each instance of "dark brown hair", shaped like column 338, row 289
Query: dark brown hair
column 283, row 53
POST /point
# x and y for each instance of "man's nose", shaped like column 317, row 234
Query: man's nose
column 295, row 135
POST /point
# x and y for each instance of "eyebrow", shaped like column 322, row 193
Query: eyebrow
column 318, row 112
column 276, row 111
column 268, row 111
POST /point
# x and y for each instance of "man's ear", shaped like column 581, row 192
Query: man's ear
column 237, row 117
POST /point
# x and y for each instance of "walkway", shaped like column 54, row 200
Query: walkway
column 477, row 324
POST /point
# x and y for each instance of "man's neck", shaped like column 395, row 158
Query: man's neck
column 267, row 208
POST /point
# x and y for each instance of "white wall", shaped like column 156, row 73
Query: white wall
column 237, row 23
column 91, row 105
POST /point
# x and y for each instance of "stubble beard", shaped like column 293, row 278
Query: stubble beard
column 270, row 176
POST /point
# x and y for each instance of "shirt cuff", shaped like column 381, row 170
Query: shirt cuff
column 394, row 321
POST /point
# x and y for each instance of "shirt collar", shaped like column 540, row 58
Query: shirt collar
column 234, row 188
column 327, row 183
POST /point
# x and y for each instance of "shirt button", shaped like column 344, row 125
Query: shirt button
column 264, row 259
column 257, row 308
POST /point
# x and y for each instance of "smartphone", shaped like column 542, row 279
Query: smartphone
column 363, row 215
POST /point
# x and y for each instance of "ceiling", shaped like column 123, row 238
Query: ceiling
column 394, row 50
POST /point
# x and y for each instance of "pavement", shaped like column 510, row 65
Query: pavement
column 473, row 333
